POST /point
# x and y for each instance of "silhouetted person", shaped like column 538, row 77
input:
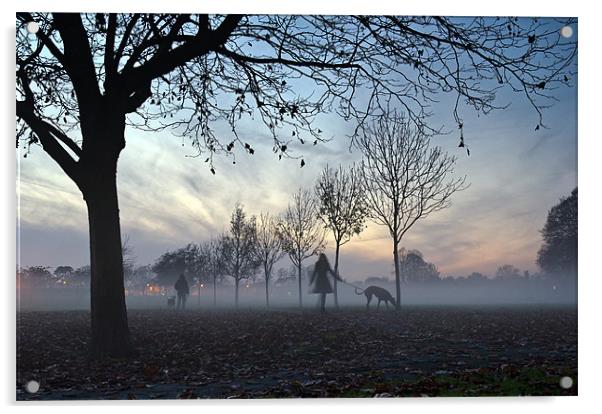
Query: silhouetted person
column 183, row 291
column 320, row 277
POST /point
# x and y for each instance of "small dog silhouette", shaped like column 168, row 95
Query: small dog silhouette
column 381, row 294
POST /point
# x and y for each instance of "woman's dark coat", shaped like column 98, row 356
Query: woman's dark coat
column 320, row 280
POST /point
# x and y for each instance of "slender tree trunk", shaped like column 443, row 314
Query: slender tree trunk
column 267, row 292
column 214, row 291
column 300, row 290
column 110, row 332
column 199, row 288
column 397, row 275
column 336, row 272
column 236, row 293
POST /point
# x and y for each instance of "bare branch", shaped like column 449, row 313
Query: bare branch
column 341, row 203
column 48, row 136
column 188, row 73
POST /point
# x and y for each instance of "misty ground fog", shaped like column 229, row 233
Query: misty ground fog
column 489, row 292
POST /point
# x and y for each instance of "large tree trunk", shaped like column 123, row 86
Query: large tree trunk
column 397, row 275
column 300, row 290
column 336, row 272
column 110, row 333
column 97, row 179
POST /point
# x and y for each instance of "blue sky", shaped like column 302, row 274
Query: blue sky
column 168, row 199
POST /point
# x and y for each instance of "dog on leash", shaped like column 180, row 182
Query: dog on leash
column 381, row 294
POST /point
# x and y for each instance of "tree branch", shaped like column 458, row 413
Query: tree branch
column 164, row 63
column 126, row 37
column 279, row 60
column 49, row 136
column 109, row 58
column 27, row 17
column 79, row 63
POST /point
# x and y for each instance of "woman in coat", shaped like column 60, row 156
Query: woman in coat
column 319, row 278
column 183, row 291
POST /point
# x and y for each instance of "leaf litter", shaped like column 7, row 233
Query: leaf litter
column 420, row 351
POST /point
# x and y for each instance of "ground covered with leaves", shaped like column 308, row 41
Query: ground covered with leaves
column 420, row 351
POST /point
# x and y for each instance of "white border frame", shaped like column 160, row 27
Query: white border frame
column 590, row 149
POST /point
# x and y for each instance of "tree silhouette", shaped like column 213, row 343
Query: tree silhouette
column 415, row 268
column 197, row 264
column 129, row 258
column 172, row 264
column 213, row 250
column 476, row 277
column 342, row 208
column 82, row 275
column 268, row 248
column 240, row 259
column 301, row 232
column 558, row 254
column 63, row 272
column 35, row 276
column 404, row 178
column 140, row 276
column 507, row 272
column 83, row 77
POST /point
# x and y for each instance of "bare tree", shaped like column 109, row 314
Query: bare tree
column 301, row 232
column 342, row 207
column 240, row 259
column 213, row 250
column 268, row 249
column 404, row 178
column 129, row 258
column 197, row 265
column 82, row 78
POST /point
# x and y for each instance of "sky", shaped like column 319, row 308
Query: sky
column 168, row 198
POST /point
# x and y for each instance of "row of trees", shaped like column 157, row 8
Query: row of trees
column 339, row 204
column 250, row 246
column 254, row 246
column 414, row 270
column 203, row 264
column 41, row 276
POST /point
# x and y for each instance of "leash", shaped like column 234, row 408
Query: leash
column 352, row 285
